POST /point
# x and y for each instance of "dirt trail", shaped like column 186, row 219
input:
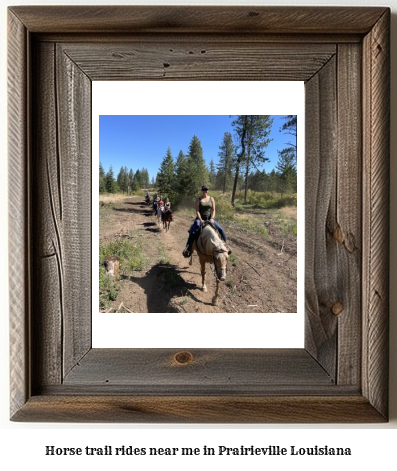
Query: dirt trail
column 262, row 277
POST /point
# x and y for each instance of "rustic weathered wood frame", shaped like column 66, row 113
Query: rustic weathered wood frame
column 343, row 56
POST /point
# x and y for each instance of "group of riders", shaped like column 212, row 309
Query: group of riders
column 205, row 214
column 158, row 203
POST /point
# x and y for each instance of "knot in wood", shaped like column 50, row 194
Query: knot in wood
column 337, row 308
column 183, row 358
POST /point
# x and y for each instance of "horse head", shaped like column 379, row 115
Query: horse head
column 220, row 257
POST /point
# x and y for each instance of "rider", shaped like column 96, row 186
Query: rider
column 205, row 211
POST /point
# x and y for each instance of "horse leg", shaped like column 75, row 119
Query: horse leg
column 215, row 299
column 203, row 287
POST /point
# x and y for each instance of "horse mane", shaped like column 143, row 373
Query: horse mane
column 210, row 235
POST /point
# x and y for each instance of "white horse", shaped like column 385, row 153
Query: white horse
column 159, row 213
column 211, row 249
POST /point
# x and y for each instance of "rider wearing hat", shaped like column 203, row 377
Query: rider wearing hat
column 205, row 211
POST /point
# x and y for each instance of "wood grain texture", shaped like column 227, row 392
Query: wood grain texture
column 199, row 409
column 321, row 277
column 376, row 91
column 62, row 290
column 347, row 225
column 18, row 181
column 197, row 20
column 73, row 108
column 48, row 280
column 246, row 370
column 205, row 60
column 341, row 376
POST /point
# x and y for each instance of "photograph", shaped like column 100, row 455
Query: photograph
column 198, row 213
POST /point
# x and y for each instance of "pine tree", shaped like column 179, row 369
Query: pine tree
column 130, row 181
column 259, row 127
column 212, row 175
column 252, row 132
column 166, row 176
column 122, row 179
column 227, row 155
column 241, row 126
column 101, row 171
column 197, row 171
column 111, row 185
column 137, row 180
column 291, row 127
column 144, row 178
column 102, row 183
column 287, row 171
column 181, row 174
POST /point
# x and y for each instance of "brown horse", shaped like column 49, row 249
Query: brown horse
column 167, row 217
column 211, row 249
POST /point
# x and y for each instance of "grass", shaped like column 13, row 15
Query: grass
column 164, row 257
column 262, row 210
column 265, row 200
column 108, row 289
column 233, row 260
column 132, row 258
column 130, row 254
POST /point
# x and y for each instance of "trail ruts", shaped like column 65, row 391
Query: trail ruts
column 262, row 278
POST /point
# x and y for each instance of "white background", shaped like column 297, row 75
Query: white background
column 228, row 330
column 23, row 444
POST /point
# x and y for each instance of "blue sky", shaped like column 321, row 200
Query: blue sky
column 142, row 141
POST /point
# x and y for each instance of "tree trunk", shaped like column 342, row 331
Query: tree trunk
column 246, row 174
column 244, row 132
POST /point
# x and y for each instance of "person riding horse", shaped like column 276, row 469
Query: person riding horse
column 205, row 211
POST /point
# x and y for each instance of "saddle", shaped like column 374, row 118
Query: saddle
column 208, row 223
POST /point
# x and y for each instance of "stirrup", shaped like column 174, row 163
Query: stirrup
column 187, row 252
column 229, row 250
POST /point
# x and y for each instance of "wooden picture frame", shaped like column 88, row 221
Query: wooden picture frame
column 342, row 54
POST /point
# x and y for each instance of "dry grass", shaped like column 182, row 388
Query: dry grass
column 289, row 211
column 112, row 198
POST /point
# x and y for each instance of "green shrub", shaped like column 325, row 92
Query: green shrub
column 130, row 254
column 108, row 289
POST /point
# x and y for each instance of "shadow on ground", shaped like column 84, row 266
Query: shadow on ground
column 161, row 284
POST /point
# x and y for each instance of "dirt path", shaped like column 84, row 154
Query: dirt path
column 261, row 278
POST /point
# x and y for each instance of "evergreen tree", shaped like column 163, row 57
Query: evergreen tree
column 166, row 176
column 241, row 127
column 287, row 171
column 101, row 171
column 123, row 180
column 196, row 168
column 137, row 185
column 252, row 134
column 110, row 182
column 182, row 180
column 257, row 140
column 212, row 175
column 227, row 155
column 102, row 183
column 130, row 181
column 290, row 127
column 144, row 178
column 191, row 171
